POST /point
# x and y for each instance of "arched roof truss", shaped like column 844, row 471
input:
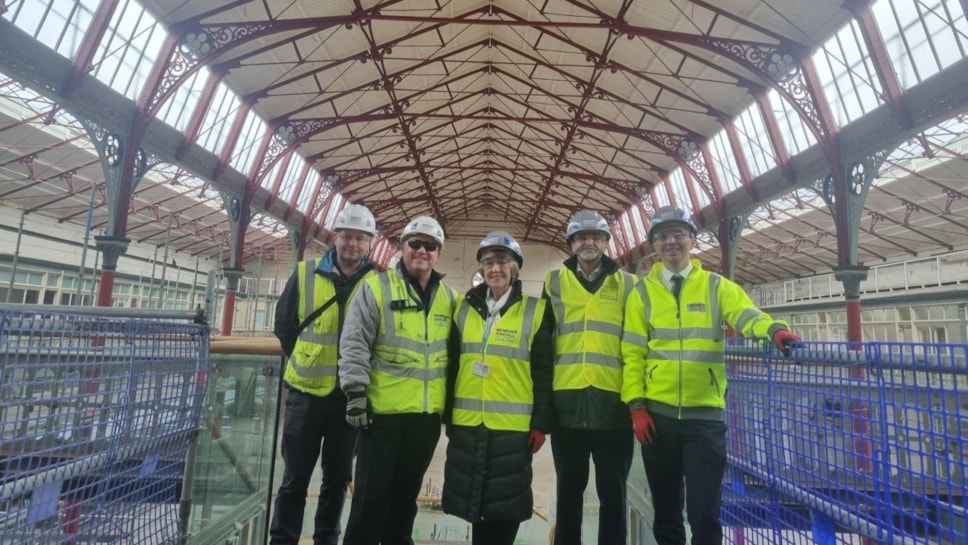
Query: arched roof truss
column 525, row 111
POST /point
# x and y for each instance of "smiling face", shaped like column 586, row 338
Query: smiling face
column 351, row 246
column 417, row 258
column 673, row 244
column 589, row 246
column 499, row 270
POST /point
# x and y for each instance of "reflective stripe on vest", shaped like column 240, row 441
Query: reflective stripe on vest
column 311, row 367
column 502, row 397
column 588, row 349
column 409, row 364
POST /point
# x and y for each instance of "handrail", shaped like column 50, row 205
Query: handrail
column 250, row 346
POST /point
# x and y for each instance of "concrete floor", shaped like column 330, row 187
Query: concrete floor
column 438, row 528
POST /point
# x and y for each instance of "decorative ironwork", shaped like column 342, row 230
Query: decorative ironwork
column 196, row 47
column 857, row 178
column 687, row 149
column 782, row 65
column 285, row 134
column 195, row 44
column 113, row 149
column 734, row 228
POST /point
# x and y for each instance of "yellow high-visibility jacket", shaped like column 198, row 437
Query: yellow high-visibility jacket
column 403, row 367
column 673, row 350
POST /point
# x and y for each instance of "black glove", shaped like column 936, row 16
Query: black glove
column 357, row 414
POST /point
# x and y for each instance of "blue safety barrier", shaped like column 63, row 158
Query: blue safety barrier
column 96, row 417
column 847, row 443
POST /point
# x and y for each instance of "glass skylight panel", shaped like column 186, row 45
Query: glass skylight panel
column 253, row 130
column 662, row 196
column 638, row 222
column 296, row 167
column 724, row 162
column 129, row 49
column 847, row 75
column 796, row 135
column 905, row 27
column 682, row 192
column 304, row 199
column 336, row 205
column 58, row 24
column 215, row 127
column 754, row 140
column 179, row 108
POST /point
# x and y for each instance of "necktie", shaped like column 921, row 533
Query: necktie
column 676, row 285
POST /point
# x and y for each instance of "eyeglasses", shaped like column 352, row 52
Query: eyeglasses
column 429, row 245
column 675, row 234
column 359, row 239
column 588, row 237
column 494, row 262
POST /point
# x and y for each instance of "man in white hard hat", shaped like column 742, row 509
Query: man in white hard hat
column 308, row 321
column 393, row 369
column 588, row 298
column 675, row 377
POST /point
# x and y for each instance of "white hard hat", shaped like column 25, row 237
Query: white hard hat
column 358, row 217
column 424, row 225
column 587, row 220
column 671, row 214
column 501, row 239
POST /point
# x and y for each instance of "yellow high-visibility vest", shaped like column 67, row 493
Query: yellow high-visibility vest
column 409, row 367
column 494, row 385
column 312, row 366
column 588, row 350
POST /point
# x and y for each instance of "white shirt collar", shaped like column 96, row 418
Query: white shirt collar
column 667, row 275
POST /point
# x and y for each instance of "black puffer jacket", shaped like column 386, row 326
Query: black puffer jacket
column 487, row 475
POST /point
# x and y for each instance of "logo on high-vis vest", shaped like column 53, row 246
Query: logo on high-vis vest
column 696, row 307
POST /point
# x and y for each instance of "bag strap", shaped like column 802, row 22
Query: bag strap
column 312, row 317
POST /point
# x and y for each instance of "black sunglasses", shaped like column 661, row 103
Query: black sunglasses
column 430, row 246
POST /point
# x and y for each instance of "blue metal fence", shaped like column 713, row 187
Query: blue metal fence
column 96, row 417
column 847, row 443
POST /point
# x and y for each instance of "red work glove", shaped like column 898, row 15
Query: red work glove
column 536, row 440
column 785, row 340
column 643, row 425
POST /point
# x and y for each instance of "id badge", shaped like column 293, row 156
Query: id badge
column 481, row 369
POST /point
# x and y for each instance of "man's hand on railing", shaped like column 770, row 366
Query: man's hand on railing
column 357, row 414
column 785, row 340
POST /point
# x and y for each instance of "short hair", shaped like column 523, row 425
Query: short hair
column 515, row 270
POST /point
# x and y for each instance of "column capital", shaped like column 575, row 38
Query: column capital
column 851, row 276
column 232, row 276
column 112, row 247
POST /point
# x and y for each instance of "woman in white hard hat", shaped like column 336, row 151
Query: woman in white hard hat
column 499, row 396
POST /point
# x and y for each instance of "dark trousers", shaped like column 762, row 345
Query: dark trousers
column 313, row 423
column 694, row 450
column 392, row 455
column 611, row 451
column 494, row 532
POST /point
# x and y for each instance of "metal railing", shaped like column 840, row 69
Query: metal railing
column 847, row 442
column 98, row 411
